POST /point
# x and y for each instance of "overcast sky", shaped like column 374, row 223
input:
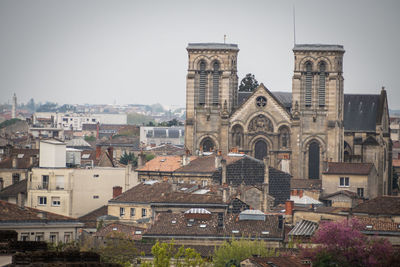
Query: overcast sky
column 134, row 52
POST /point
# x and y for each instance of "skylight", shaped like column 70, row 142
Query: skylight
column 235, row 231
column 20, row 156
column 203, row 225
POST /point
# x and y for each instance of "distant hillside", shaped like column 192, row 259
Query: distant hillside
column 394, row 112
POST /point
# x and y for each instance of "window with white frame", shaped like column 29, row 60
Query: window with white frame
column 360, row 192
column 39, row 236
column 344, row 181
column 24, row 236
column 42, row 201
column 55, row 201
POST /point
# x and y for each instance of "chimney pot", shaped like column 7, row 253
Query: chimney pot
column 289, row 205
column 117, row 190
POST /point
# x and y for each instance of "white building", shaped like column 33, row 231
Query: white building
column 162, row 135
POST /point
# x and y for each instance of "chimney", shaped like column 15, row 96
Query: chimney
column 14, row 162
column 218, row 159
column 98, row 152
column 21, row 200
column 223, row 173
column 117, row 190
column 289, row 205
column 97, row 130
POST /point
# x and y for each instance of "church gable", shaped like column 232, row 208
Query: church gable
column 261, row 109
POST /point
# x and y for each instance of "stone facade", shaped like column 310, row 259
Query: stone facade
column 297, row 137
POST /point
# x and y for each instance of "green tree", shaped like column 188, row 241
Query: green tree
column 233, row 252
column 8, row 123
column 248, row 83
column 128, row 158
column 90, row 138
column 149, row 157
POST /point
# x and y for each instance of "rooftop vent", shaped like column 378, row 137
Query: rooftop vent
column 203, row 225
column 368, row 226
column 189, row 224
column 173, row 222
column 138, row 232
column 115, row 228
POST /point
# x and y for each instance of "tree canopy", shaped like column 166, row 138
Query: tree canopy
column 248, row 83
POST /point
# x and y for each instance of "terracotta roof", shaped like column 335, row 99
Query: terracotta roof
column 144, row 193
column 23, row 159
column 13, row 190
column 312, row 184
column 176, row 224
column 130, row 231
column 384, row 205
column 13, row 213
column 90, row 219
column 349, row 168
column 164, row 164
column 396, row 162
column 373, row 224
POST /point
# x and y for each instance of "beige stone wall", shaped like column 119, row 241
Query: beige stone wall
column 323, row 124
column 315, row 217
column 83, row 190
column 204, row 121
column 6, row 175
column 331, row 184
column 114, row 209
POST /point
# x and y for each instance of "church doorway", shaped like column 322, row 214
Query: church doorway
column 207, row 145
column 313, row 160
column 260, row 149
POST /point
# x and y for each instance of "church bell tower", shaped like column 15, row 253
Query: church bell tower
column 211, row 92
column 317, row 108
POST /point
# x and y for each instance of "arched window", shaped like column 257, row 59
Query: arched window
column 322, row 83
column 207, row 145
column 313, row 160
column 202, row 83
column 215, row 93
column 284, row 137
column 308, row 92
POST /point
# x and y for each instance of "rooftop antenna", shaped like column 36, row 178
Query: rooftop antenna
column 224, row 38
column 294, row 25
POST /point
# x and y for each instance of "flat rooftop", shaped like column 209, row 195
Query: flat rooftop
column 318, row 47
column 214, row 46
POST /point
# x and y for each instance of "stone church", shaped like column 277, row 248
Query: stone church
column 299, row 132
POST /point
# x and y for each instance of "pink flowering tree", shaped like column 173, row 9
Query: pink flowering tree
column 343, row 244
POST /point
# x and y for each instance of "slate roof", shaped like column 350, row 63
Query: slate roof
column 188, row 198
column 213, row 46
column 90, row 219
column 285, row 98
column 384, row 205
column 310, row 184
column 131, row 231
column 347, row 193
column 11, row 213
column 164, row 164
column 304, row 228
column 318, row 47
column 89, row 127
column 13, row 190
column 206, row 164
column 79, row 143
column 349, row 168
column 279, row 185
column 144, row 193
column 243, row 96
column 176, row 224
column 361, row 112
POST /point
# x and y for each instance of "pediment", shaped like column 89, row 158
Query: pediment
column 262, row 101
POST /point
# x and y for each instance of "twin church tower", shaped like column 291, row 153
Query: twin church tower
column 297, row 131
